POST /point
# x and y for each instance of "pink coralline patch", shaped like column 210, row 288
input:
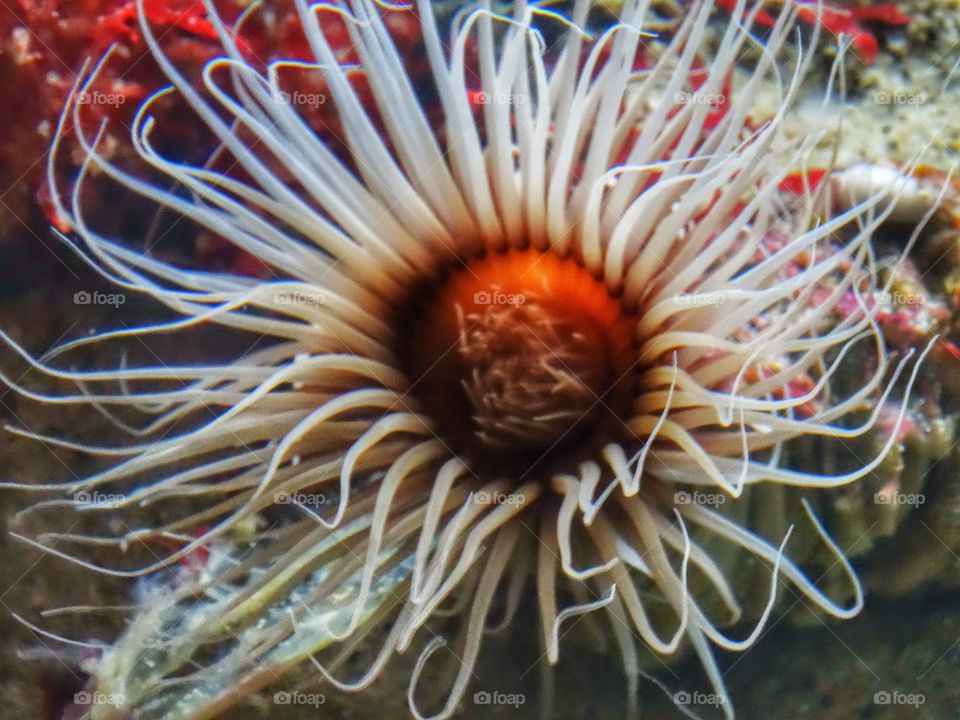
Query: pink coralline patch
column 887, row 423
column 908, row 316
column 848, row 21
column 848, row 304
column 911, row 325
column 905, row 323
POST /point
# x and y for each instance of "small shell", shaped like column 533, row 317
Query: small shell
column 915, row 194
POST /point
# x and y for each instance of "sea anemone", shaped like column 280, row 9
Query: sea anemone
column 522, row 346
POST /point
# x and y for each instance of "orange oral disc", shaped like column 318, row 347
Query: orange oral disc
column 520, row 350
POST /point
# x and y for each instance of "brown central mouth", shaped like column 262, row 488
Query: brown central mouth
column 517, row 354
